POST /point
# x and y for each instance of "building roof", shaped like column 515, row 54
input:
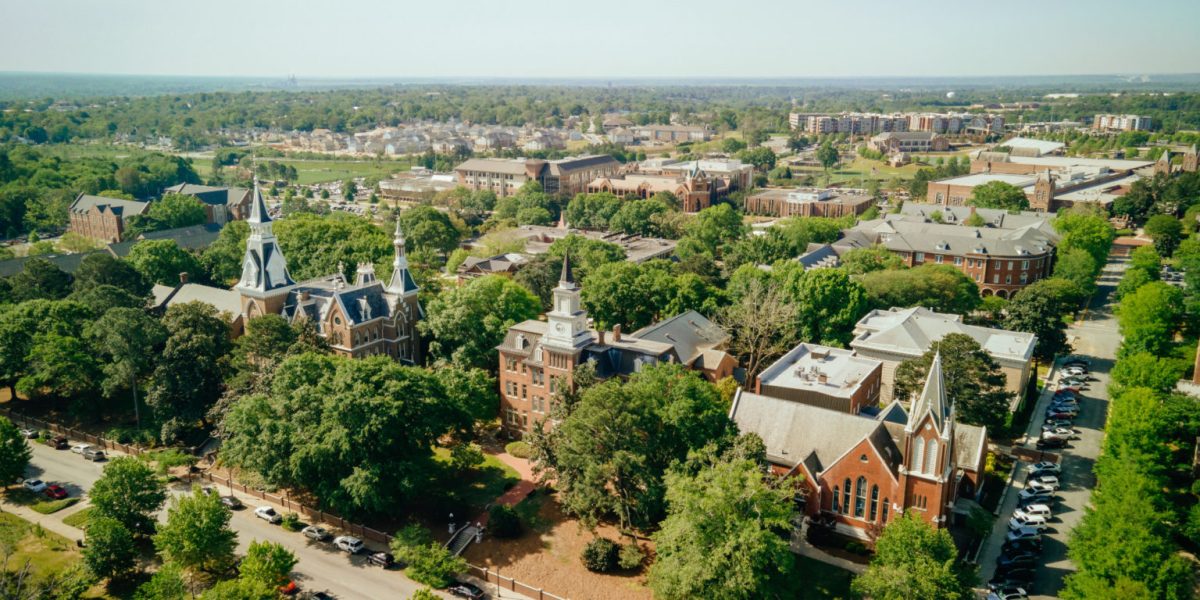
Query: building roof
column 814, row 195
column 995, row 217
column 978, row 179
column 913, row 331
column 819, row 256
column 637, row 248
column 905, row 135
column 689, row 332
column 214, row 195
column 829, row 371
column 575, row 163
column 195, row 237
column 227, row 301
column 1037, row 147
column 69, row 263
column 500, row 263
column 120, row 207
column 936, row 238
column 508, row 166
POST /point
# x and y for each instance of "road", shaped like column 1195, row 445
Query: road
column 320, row 567
column 1096, row 336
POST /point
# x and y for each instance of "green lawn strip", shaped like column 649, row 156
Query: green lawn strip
column 38, row 502
column 53, row 506
column 78, row 520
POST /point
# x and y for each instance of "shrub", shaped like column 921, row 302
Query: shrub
column 165, row 460
column 504, row 522
column 465, row 456
column 519, row 449
column 631, row 557
column 600, row 555
column 291, row 522
column 856, row 547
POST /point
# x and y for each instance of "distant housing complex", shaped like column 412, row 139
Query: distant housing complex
column 1121, row 123
column 871, row 123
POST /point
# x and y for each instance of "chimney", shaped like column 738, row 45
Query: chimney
column 304, row 296
column 822, row 378
column 183, row 278
column 617, row 332
column 600, row 337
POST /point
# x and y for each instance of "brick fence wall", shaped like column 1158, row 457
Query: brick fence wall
column 311, row 514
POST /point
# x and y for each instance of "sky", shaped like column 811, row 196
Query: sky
column 612, row 39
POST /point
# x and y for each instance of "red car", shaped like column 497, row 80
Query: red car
column 56, row 492
column 289, row 589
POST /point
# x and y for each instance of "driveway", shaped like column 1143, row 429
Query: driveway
column 1095, row 336
column 320, row 566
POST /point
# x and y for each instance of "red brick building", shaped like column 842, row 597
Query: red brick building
column 821, row 376
column 103, row 219
column 807, row 202
column 862, row 471
column 537, row 358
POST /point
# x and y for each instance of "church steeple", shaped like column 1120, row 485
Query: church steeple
column 401, row 283
column 264, row 268
column 567, row 320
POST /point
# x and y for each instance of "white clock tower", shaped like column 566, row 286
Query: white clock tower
column 567, row 320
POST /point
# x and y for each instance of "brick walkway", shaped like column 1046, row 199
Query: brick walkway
column 518, row 492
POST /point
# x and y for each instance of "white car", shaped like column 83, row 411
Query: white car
column 1064, row 432
column 79, row 448
column 267, row 514
column 1034, row 510
column 348, row 543
column 314, row 532
column 1008, row 593
column 1041, row 486
column 1075, row 371
column 1045, row 467
column 1016, row 523
column 1033, row 493
column 1048, row 435
column 36, row 486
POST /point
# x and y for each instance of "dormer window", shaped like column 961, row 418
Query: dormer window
column 521, row 342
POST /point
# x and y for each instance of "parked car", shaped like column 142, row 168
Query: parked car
column 36, row 486
column 1020, row 577
column 231, row 502
column 93, row 454
column 1061, row 415
column 348, row 543
column 267, row 514
column 316, row 533
column 316, row 596
column 1017, row 523
column 1056, row 435
column 56, row 492
column 1035, row 494
column 29, row 434
column 1051, row 443
column 1034, row 510
column 1011, row 592
column 1047, row 500
column 79, row 448
column 383, row 559
column 1030, row 545
column 1058, row 423
column 1038, row 485
column 1047, row 467
column 1017, row 560
column 60, row 443
column 462, row 589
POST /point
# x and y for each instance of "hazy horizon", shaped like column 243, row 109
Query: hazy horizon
column 524, row 39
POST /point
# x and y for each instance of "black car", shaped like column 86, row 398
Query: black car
column 231, row 502
column 1015, row 560
column 1052, row 443
column 466, row 590
column 1020, row 573
column 60, row 443
column 1031, row 545
column 382, row 559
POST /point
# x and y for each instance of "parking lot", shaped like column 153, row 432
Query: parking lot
column 1096, row 338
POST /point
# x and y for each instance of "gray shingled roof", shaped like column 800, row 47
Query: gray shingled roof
column 936, row 238
column 689, row 332
column 121, row 207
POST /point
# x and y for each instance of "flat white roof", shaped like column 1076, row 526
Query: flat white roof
column 803, row 366
column 1042, row 146
column 977, row 179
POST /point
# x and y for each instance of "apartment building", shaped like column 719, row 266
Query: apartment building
column 870, row 123
column 563, row 177
column 672, row 134
column 1108, row 122
column 907, row 142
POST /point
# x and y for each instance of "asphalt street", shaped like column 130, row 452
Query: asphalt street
column 321, row 566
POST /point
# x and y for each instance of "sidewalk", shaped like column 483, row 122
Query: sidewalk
column 51, row 522
column 807, row 550
column 518, row 492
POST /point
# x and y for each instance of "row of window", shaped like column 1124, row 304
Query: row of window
column 841, row 501
column 924, row 456
column 976, row 262
column 516, row 418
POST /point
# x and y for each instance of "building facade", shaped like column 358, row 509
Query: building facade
column 1107, row 122
column 859, row 472
column 565, row 177
column 808, row 202
column 221, row 204
column 103, row 219
column 908, row 142
column 358, row 318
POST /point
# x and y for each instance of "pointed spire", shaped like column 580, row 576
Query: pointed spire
column 258, row 208
column 401, row 282
column 567, row 278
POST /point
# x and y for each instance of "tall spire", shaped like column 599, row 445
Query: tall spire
column 263, row 268
column 567, row 278
column 401, row 282
column 258, row 207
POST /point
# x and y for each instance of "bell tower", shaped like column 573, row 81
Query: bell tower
column 265, row 281
column 401, row 294
column 567, row 319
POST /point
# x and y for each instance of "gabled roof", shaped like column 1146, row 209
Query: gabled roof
column 913, row 331
column 689, row 332
column 213, row 195
column 932, row 400
column 118, row 206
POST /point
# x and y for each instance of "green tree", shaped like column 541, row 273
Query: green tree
column 716, row 226
column 171, row 212
column 828, row 304
column 58, row 365
column 188, row 377
column 101, row 268
column 762, row 158
column 14, row 452
column 721, row 537
column 914, row 560
column 1087, row 230
column 999, row 194
column 1149, row 317
column 1038, row 310
column 827, row 155
column 196, row 535
column 636, row 217
column 167, row 583
column 1166, row 231
column 39, row 278
column 268, row 563
column 467, row 322
column 222, row 260
column 1078, row 267
column 162, row 261
column 941, row 288
column 866, row 260
column 110, row 551
column 129, row 340
column 610, row 454
column 974, row 382
column 1142, row 369
column 732, row 145
column 429, row 229
column 129, row 492
column 592, row 211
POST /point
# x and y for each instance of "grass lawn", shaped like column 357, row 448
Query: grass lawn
column 819, row 580
column 37, row 502
column 46, row 552
column 321, row 171
column 481, row 485
column 78, row 520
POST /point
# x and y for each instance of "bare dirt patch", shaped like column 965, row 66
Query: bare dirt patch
column 548, row 557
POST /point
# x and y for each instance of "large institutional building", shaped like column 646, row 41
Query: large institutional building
column 103, row 219
column 861, row 471
column 564, row 177
column 538, row 357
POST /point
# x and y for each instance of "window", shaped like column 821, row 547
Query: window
column 883, row 519
column 919, row 455
column 1024, row 277
column 938, row 259
column 920, row 257
column 523, row 391
column 1010, row 265
column 874, row 503
column 1024, row 265
column 996, row 278
column 846, row 496
column 1008, row 279
column 996, row 264
column 958, row 260
column 931, row 456
column 860, row 497
column 836, row 498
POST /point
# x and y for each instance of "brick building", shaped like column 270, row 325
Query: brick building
column 565, row 177
column 862, row 471
column 907, row 142
column 695, row 192
column 807, row 202
column 538, row 357
column 825, row 377
column 1108, row 122
column 103, row 219
column 221, row 204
